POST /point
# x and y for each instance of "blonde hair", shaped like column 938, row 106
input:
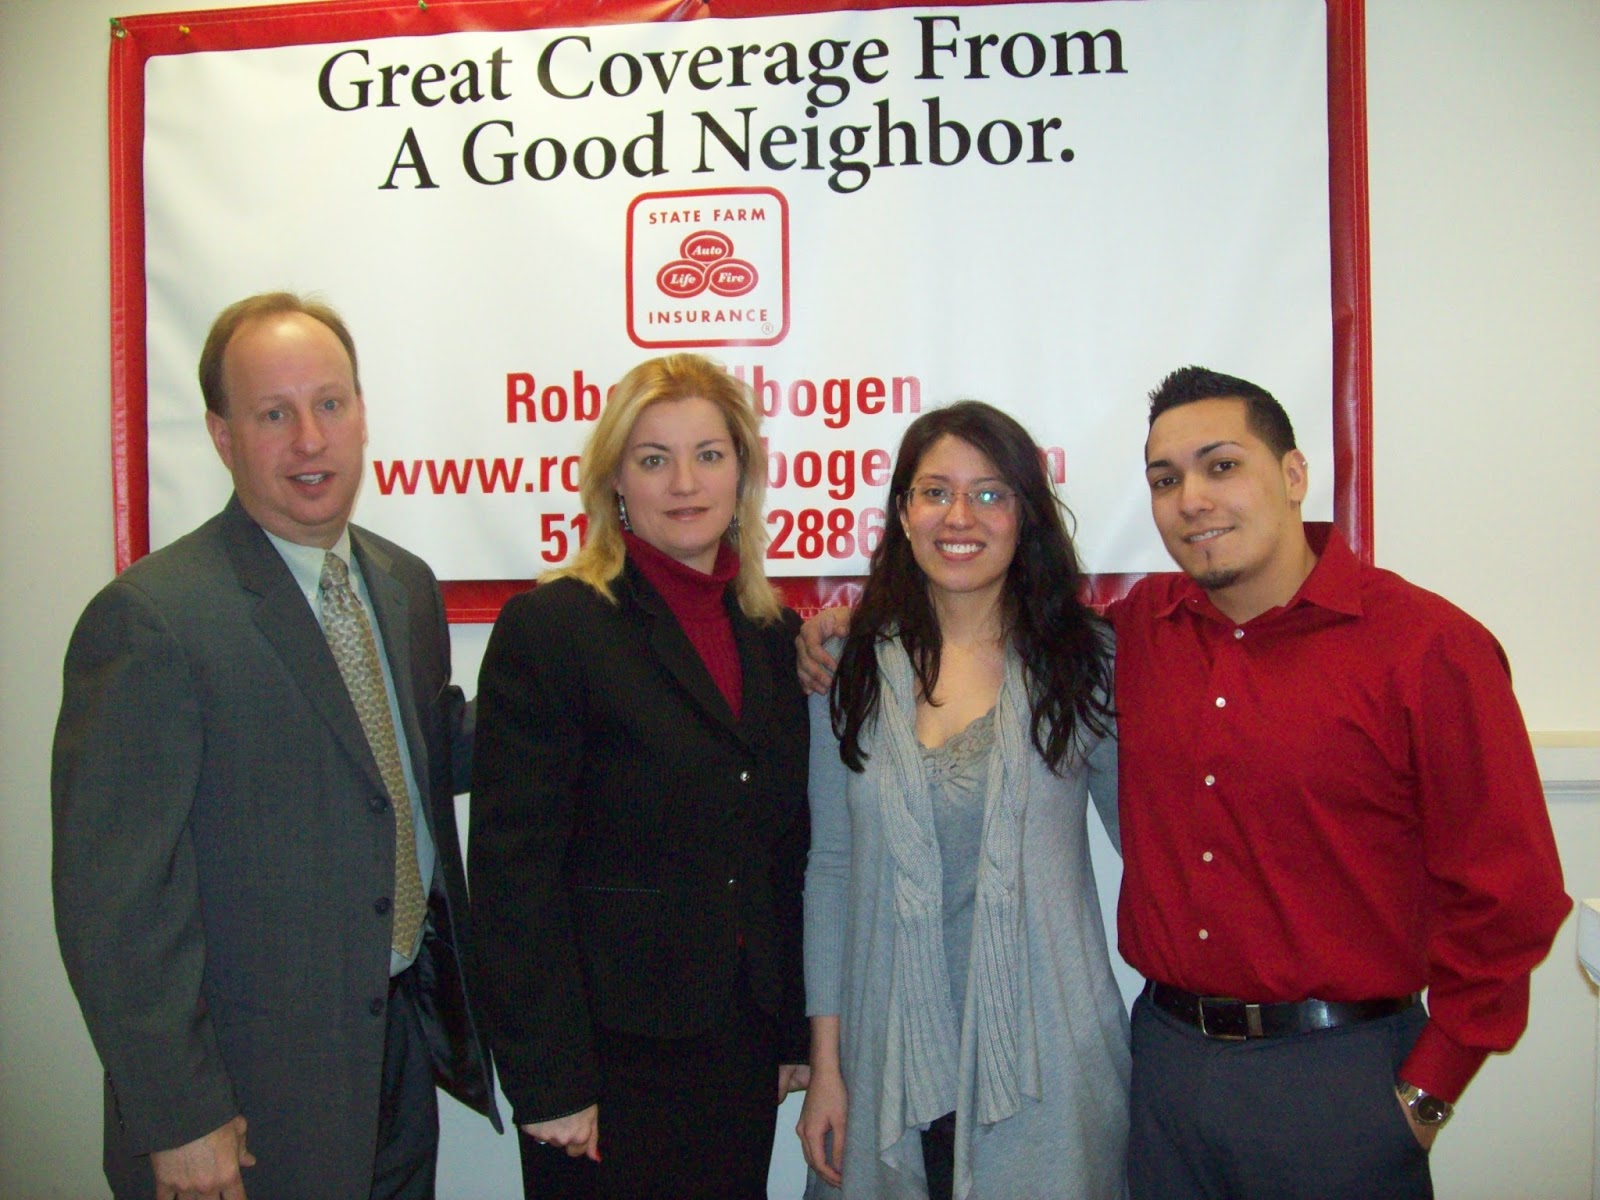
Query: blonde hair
column 656, row 381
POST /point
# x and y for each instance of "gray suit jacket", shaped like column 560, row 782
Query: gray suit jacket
column 222, row 843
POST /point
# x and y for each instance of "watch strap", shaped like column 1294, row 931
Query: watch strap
column 1425, row 1108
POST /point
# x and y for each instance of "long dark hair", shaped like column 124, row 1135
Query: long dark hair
column 1061, row 643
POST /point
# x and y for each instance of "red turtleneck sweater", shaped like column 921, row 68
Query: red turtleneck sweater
column 695, row 598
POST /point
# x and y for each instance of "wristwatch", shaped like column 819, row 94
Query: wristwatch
column 1424, row 1109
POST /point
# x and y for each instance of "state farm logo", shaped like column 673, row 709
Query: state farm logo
column 707, row 262
column 708, row 268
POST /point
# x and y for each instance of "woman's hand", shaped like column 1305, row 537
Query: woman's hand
column 823, row 1114
column 793, row 1077
column 578, row 1133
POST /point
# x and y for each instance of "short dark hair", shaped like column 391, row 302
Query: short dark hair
column 1263, row 413
column 253, row 308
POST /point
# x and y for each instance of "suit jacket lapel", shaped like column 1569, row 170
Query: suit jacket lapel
column 675, row 652
column 286, row 621
column 760, row 688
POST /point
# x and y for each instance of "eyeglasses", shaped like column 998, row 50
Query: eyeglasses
column 988, row 499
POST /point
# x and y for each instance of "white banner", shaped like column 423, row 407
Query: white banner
column 864, row 214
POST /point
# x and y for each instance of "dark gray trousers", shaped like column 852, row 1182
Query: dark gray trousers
column 407, row 1157
column 1306, row 1117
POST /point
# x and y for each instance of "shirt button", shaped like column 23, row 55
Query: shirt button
column 744, row 776
column 381, row 905
column 1238, row 633
column 1222, row 702
column 1210, row 780
column 1206, row 857
column 732, row 883
column 375, row 1006
column 1204, row 934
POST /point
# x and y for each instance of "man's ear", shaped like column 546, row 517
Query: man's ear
column 1296, row 475
column 221, row 437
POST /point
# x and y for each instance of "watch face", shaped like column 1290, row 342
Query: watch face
column 1431, row 1110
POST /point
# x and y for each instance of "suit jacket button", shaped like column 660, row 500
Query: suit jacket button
column 378, row 804
column 375, row 1007
column 381, row 905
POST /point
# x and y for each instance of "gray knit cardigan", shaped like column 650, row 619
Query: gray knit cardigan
column 1036, row 1067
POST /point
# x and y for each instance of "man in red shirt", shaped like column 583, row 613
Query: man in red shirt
column 1328, row 805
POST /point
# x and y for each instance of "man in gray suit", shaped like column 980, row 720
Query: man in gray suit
column 258, row 883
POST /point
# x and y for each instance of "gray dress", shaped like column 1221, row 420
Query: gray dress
column 1035, row 1060
column 958, row 776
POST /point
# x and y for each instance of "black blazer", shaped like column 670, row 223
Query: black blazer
column 630, row 839
column 222, row 840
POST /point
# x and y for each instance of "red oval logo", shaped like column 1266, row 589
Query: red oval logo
column 706, row 246
column 681, row 279
column 733, row 277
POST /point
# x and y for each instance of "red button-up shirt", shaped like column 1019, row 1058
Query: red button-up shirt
column 1337, row 800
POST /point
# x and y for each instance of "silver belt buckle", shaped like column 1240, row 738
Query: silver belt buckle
column 1252, row 1020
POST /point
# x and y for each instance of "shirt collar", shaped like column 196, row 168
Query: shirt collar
column 1334, row 583
column 305, row 562
column 657, row 566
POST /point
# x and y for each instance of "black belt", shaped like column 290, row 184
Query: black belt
column 1234, row 1020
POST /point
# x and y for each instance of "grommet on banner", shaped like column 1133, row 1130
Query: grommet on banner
column 183, row 30
column 423, row 5
column 116, row 29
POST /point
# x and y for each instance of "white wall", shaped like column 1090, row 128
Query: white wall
column 1484, row 134
column 1484, row 127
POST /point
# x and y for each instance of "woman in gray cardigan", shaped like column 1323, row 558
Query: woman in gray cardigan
column 967, row 1037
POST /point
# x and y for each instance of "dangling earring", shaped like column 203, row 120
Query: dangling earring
column 622, row 514
column 733, row 529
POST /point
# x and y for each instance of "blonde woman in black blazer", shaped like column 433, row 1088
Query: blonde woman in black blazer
column 639, row 821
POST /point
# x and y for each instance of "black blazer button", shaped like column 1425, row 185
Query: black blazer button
column 378, row 804
column 381, row 905
column 375, row 1006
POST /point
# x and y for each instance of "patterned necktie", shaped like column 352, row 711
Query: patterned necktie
column 350, row 638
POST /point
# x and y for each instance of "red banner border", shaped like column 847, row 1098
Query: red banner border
column 134, row 40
